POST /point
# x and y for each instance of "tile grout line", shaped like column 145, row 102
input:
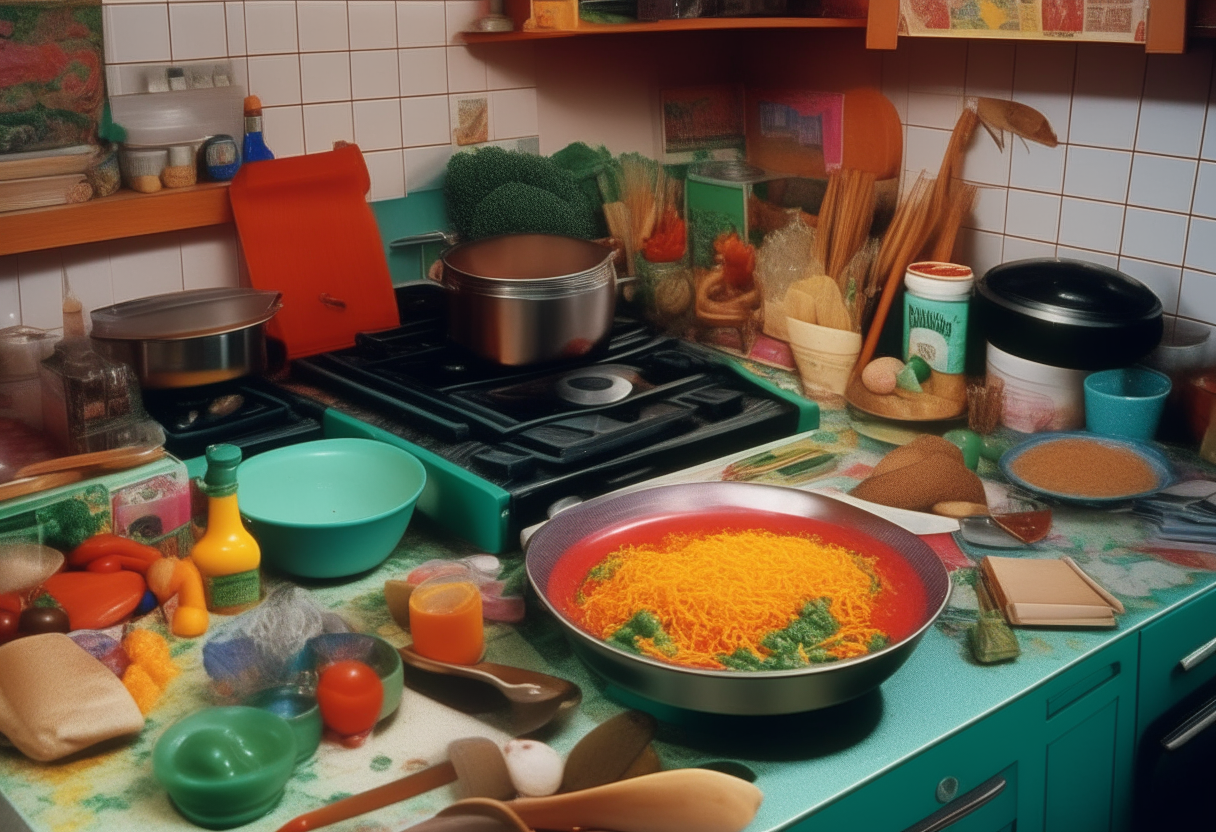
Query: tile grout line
column 1072, row 90
column 1186, row 237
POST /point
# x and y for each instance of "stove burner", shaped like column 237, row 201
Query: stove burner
column 596, row 385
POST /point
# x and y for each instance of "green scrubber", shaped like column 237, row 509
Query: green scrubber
column 494, row 191
column 906, row 379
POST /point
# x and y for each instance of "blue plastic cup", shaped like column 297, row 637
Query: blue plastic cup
column 1127, row 402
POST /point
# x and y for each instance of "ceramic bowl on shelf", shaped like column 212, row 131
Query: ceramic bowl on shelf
column 329, row 508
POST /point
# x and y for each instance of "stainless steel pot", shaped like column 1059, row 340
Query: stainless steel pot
column 729, row 691
column 523, row 299
column 186, row 339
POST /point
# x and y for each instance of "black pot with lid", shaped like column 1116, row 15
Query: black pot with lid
column 1068, row 313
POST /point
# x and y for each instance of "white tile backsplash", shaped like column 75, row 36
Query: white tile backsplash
column 234, row 15
column 373, row 24
column 924, row 150
column 209, row 257
column 135, row 33
column 1154, row 235
column 421, row 23
column 1095, row 173
column 325, row 76
column 1036, row 167
column 466, row 71
column 1033, row 215
column 198, row 30
column 270, row 27
column 1088, row 255
column 988, row 213
column 990, row 67
column 514, row 113
column 40, row 280
column 1164, row 182
column 425, row 120
column 283, row 128
column 325, row 124
column 88, row 271
column 275, row 79
column 141, row 266
column 373, row 74
column 1198, row 297
column 1106, row 95
column 1175, row 101
column 1165, row 281
column 378, row 124
column 509, row 65
column 423, row 71
column 1090, row 225
column 322, row 26
column 1017, row 248
column 386, row 169
column 426, row 167
column 462, row 16
column 931, row 109
column 938, row 66
column 979, row 249
column 1201, row 245
column 1204, row 203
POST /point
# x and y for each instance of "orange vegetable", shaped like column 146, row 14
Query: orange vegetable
column 738, row 261
column 717, row 593
column 667, row 243
column 110, row 553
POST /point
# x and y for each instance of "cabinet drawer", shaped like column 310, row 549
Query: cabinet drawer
column 1177, row 656
column 969, row 783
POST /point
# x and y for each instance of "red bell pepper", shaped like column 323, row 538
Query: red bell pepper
column 110, row 553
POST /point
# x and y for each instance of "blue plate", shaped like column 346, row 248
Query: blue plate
column 1156, row 460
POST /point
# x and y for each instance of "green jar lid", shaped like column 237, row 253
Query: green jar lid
column 222, row 462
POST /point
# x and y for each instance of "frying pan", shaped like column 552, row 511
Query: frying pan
column 579, row 537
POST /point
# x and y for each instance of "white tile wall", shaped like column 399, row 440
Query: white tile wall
column 383, row 73
column 1131, row 183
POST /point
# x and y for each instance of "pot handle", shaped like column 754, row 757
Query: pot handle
column 448, row 238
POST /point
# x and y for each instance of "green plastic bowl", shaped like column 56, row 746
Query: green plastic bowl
column 330, row 508
column 224, row 767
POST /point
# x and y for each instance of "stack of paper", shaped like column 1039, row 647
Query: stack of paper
column 1048, row 593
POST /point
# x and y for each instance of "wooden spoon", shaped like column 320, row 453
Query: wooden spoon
column 515, row 683
column 607, row 752
column 666, row 801
column 116, row 459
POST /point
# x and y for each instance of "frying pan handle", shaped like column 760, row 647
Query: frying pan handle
column 525, row 535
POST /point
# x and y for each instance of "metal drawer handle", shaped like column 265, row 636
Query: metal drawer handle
column 962, row 806
column 1191, row 727
column 1197, row 658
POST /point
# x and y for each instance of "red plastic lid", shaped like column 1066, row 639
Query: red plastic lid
column 307, row 231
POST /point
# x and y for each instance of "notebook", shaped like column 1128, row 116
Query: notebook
column 1041, row 592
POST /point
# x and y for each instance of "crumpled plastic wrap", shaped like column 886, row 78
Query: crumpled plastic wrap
column 263, row 647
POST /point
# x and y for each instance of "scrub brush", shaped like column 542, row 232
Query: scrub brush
column 991, row 638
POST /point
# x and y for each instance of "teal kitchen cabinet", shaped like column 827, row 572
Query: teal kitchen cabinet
column 1177, row 657
column 1057, row 759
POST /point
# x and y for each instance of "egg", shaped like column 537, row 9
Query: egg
column 535, row 768
column 879, row 375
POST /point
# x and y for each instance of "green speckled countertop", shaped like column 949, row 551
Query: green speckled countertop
column 802, row 762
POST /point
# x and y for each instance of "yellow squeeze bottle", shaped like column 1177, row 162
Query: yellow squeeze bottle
column 227, row 556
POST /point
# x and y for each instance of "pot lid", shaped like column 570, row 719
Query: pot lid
column 1070, row 291
column 190, row 314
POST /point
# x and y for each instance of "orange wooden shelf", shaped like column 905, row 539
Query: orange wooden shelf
column 692, row 24
column 124, row 214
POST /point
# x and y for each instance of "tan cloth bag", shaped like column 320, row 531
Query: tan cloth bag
column 56, row 699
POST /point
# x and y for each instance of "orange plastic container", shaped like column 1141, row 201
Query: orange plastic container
column 446, row 621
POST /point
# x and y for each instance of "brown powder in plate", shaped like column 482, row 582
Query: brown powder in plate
column 1085, row 468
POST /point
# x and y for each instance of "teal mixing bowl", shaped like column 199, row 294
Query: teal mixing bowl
column 330, row 508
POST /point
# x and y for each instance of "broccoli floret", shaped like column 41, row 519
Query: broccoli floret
column 494, row 191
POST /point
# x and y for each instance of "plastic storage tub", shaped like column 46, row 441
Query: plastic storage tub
column 1038, row 397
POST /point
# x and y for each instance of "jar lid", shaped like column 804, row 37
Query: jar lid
column 939, row 281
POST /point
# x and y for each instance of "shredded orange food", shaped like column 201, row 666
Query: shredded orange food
column 714, row 594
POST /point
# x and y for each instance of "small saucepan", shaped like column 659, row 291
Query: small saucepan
column 522, row 299
column 186, row 339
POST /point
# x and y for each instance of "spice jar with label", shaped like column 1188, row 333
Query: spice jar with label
column 936, row 306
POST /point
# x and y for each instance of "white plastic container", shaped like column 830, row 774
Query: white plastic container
column 1038, row 397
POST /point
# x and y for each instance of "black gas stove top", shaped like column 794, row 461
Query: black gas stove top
column 249, row 412
column 643, row 406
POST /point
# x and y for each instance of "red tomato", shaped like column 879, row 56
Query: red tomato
column 8, row 625
column 349, row 694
